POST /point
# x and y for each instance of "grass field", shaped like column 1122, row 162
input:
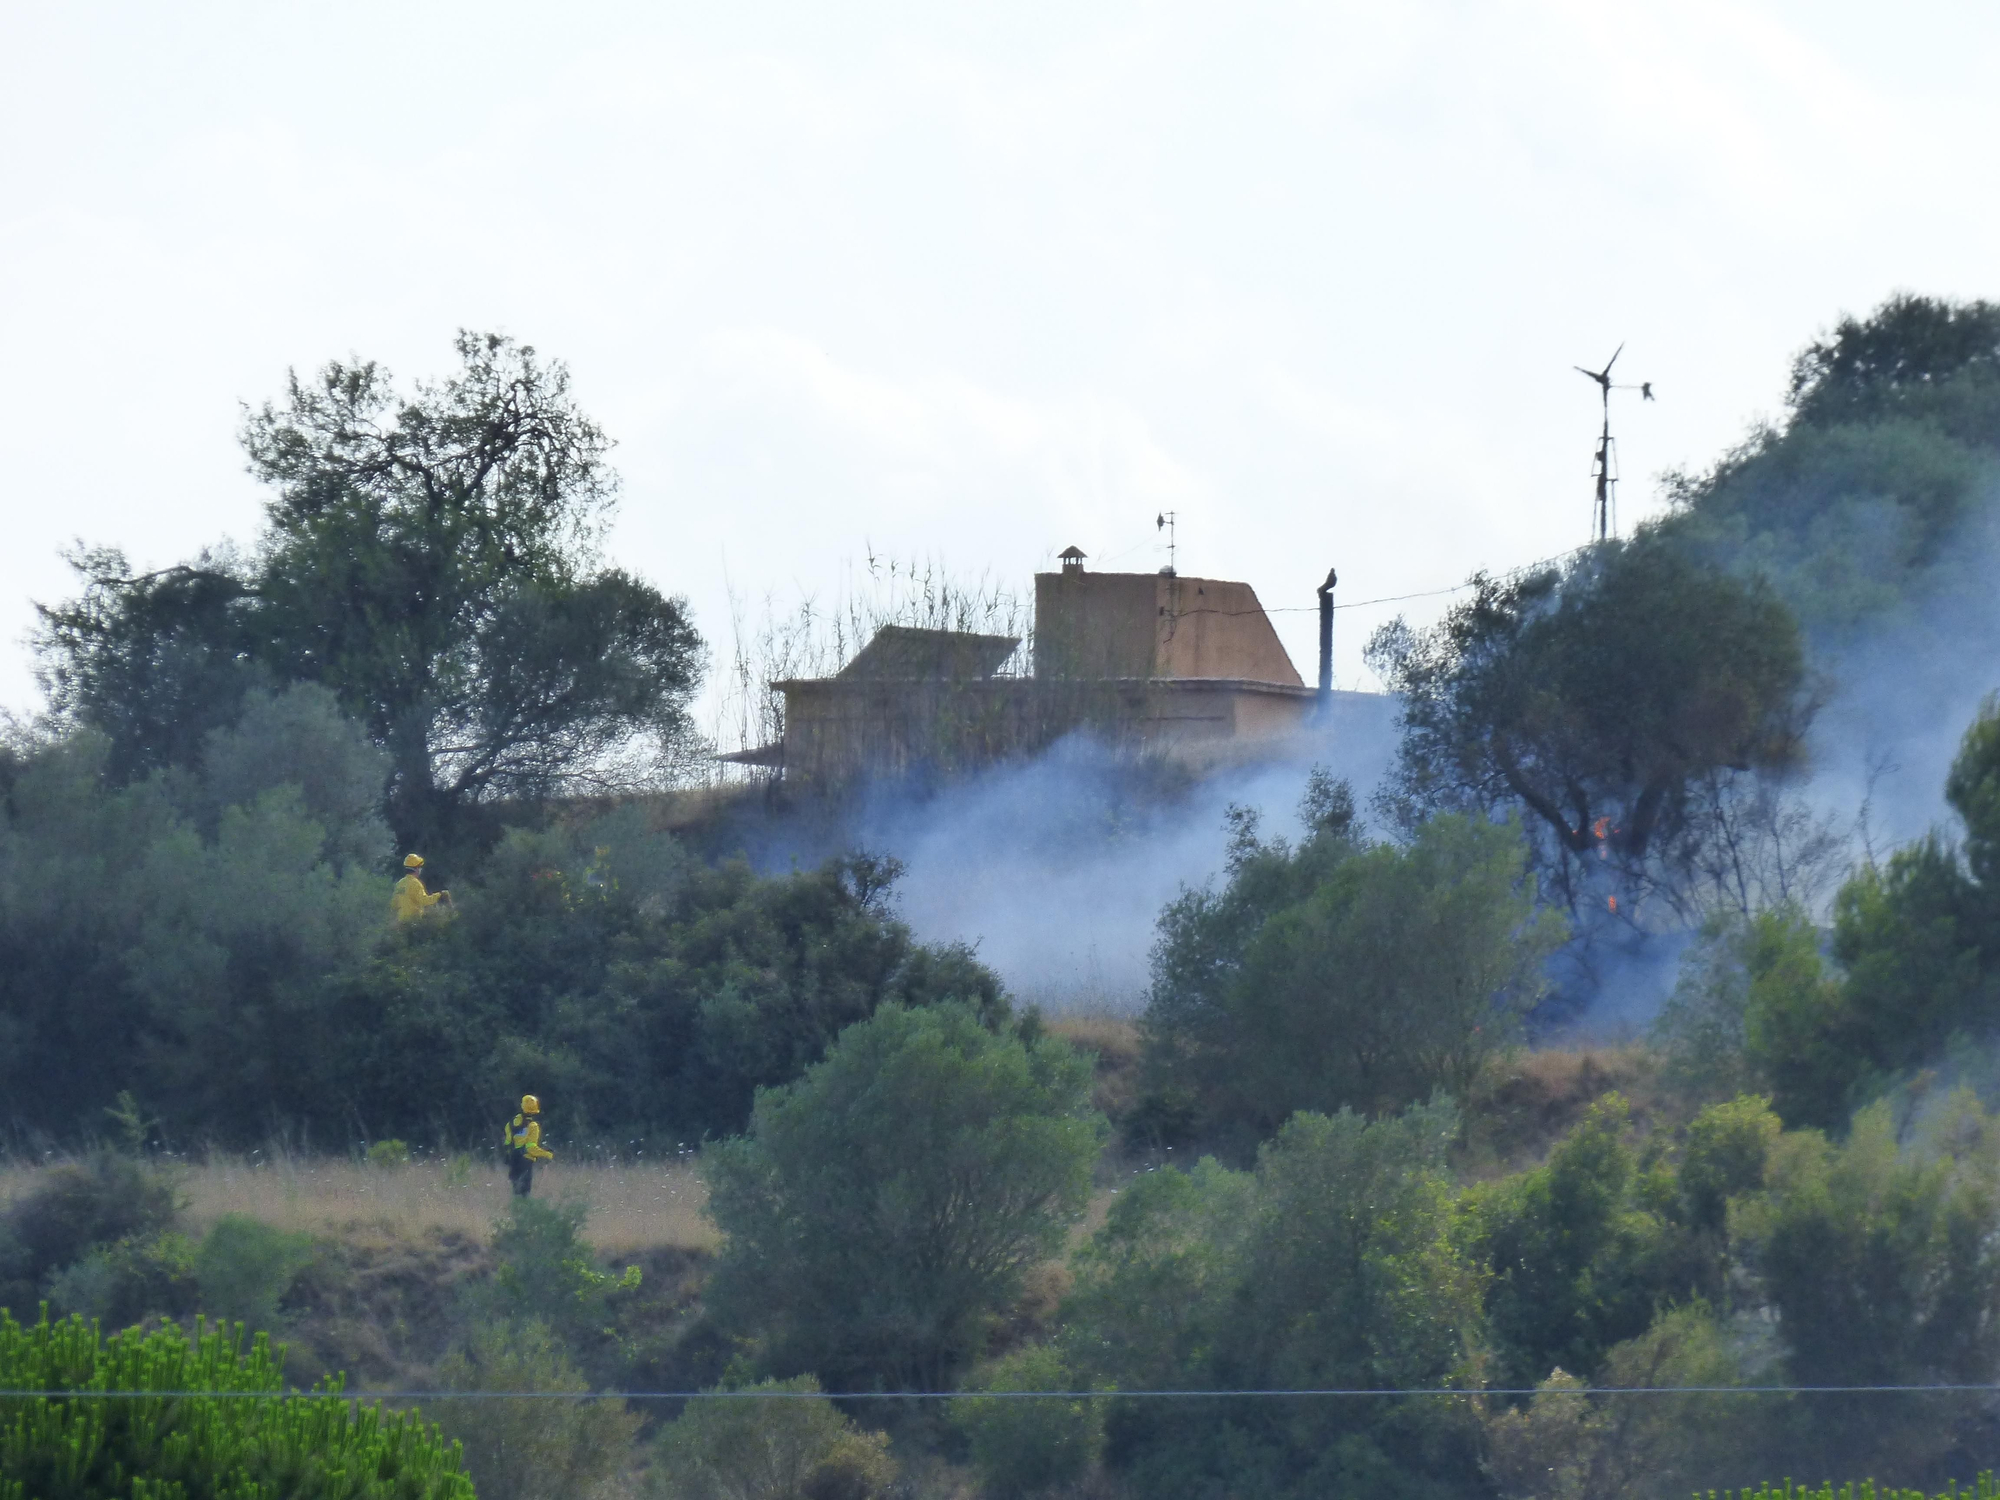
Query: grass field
column 633, row 1206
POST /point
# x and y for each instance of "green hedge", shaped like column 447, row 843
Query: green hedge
column 219, row 1428
column 1983, row 1488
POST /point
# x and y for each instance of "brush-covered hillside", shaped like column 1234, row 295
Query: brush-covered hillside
column 828, row 1212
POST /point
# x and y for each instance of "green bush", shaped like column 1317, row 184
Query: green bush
column 1023, row 1446
column 537, row 1447
column 244, row 1267
column 241, row 1439
column 547, row 1274
column 1340, row 974
column 789, row 1444
column 130, row 1280
column 1984, row 1488
column 887, row 1204
column 107, row 1209
column 1332, row 1266
column 389, row 1153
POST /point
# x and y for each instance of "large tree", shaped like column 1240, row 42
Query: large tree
column 430, row 558
column 1619, row 702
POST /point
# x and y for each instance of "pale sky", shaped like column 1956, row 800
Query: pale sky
column 973, row 282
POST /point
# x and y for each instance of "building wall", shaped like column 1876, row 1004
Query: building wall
column 839, row 729
column 1152, row 625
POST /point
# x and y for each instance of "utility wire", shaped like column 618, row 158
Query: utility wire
column 1456, row 588
column 1108, row 1395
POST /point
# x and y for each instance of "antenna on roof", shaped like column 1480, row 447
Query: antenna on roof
column 1165, row 522
column 1604, row 468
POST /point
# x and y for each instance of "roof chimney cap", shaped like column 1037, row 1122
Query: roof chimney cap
column 1072, row 559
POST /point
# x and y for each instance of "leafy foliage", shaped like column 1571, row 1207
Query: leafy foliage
column 73, row 1209
column 1882, row 1263
column 1332, row 1265
column 232, row 965
column 244, row 1268
column 539, row 1445
column 1343, row 974
column 255, row 1444
column 1025, row 1446
column 792, row 1442
column 886, row 1204
column 1620, row 703
column 1581, row 1250
column 429, row 560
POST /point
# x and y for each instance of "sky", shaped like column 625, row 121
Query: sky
column 972, row 283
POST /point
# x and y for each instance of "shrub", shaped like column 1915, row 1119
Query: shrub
column 1578, row 1257
column 72, row 1209
column 244, row 1267
column 1879, row 1258
column 128, row 1281
column 789, row 1444
column 1985, row 1488
column 547, row 1274
column 1344, row 975
column 534, row 1448
column 389, row 1154
column 887, row 1203
column 257, row 1444
column 1333, row 1266
column 1028, row 1446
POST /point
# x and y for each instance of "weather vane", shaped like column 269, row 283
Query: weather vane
column 1606, row 463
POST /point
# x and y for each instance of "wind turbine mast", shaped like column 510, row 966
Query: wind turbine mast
column 1604, row 468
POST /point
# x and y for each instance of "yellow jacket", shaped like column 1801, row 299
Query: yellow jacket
column 410, row 900
column 525, row 1136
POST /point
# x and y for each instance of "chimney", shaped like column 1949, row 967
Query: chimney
column 1072, row 559
column 1324, row 703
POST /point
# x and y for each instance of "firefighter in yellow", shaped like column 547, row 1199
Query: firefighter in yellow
column 523, row 1138
column 410, row 900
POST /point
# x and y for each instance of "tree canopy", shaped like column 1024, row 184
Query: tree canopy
column 889, row 1201
column 1345, row 974
column 430, row 559
column 1618, row 702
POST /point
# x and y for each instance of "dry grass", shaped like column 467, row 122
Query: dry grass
column 1115, row 1040
column 633, row 1206
column 1528, row 1102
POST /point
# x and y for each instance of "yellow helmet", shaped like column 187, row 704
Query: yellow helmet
column 413, row 861
column 530, row 1105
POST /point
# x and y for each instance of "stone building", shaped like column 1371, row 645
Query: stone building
column 1188, row 669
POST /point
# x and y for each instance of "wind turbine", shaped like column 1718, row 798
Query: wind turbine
column 1606, row 480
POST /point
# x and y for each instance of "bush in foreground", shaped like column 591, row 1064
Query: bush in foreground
column 1984, row 1488
column 241, row 1437
column 886, row 1205
column 778, row 1440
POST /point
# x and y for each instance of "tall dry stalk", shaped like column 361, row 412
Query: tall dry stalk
column 811, row 639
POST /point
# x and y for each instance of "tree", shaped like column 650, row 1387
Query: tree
column 1920, row 938
column 1028, row 1446
column 888, row 1202
column 1853, row 508
column 1347, row 975
column 1913, row 354
column 1602, row 700
column 430, row 560
column 1883, row 1261
column 539, row 1445
column 1332, row 1266
column 223, row 1424
column 777, row 1440
column 1576, row 1256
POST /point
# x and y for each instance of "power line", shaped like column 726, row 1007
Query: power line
column 1101, row 1395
